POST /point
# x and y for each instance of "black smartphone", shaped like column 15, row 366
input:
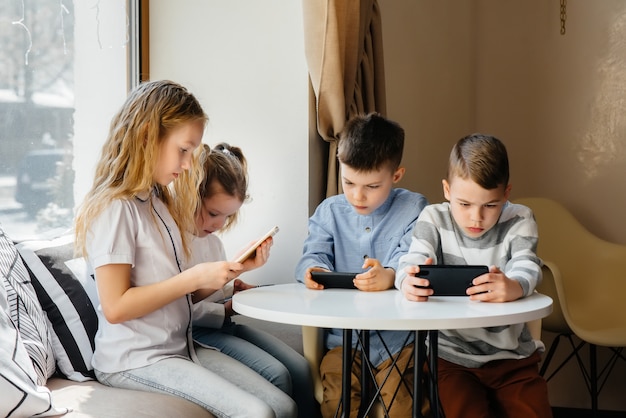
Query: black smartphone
column 448, row 280
column 334, row 280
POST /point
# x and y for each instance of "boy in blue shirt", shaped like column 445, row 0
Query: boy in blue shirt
column 483, row 372
column 366, row 229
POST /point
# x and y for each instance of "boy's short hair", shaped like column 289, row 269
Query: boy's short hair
column 370, row 142
column 480, row 158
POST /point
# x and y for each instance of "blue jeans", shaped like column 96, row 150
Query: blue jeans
column 267, row 355
column 220, row 384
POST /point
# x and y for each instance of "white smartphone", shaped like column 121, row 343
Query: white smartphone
column 243, row 257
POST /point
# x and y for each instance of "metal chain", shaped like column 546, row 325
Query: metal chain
column 563, row 15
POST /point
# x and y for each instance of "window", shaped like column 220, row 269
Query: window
column 64, row 70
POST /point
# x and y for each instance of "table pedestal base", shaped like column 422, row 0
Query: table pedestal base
column 420, row 351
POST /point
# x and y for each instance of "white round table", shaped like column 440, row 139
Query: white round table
column 352, row 309
column 387, row 310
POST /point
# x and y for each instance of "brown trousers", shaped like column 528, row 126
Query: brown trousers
column 330, row 371
column 499, row 389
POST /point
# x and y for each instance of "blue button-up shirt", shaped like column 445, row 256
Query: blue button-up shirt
column 339, row 239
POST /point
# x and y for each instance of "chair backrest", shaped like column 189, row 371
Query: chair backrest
column 555, row 322
column 591, row 285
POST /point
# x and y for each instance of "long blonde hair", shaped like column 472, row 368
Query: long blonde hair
column 131, row 151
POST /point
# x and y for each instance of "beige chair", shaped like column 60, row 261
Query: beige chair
column 555, row 322
column 590, row 284
column 313, row 351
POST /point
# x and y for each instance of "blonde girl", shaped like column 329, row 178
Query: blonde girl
column 129, row 228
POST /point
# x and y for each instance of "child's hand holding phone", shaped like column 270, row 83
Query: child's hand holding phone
column 257, row 253
column 375, row 277
column 252, row 249
column 416, row 288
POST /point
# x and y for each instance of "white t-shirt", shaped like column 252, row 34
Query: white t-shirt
column 134, row 232
column 210, row 312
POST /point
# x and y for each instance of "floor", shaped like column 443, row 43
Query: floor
column 292, row 335
column 583, row 413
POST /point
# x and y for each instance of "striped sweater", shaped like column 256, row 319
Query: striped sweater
column 510, row 245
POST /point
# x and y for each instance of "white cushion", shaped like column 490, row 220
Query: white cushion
column 20, row 395
column 25, row 311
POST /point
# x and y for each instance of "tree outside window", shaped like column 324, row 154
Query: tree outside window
column 45, row 47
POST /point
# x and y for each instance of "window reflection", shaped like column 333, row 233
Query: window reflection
column 42, row 44
column 36, row 110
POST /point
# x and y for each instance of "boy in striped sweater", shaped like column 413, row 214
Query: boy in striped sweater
column 483, row 372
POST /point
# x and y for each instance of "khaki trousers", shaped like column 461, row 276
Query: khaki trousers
column 402, row 405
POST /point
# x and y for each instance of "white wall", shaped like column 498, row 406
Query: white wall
column 503, row 68
column 101, row 54
column 244, row 60
column 429, row 60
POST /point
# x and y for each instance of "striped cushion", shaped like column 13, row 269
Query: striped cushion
column 67, row 293
column 25, row 310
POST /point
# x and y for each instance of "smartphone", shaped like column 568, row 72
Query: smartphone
column 334, row 280
column 248, row 253
column 448, row 280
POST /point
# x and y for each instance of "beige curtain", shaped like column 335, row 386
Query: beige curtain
column 344, row 52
